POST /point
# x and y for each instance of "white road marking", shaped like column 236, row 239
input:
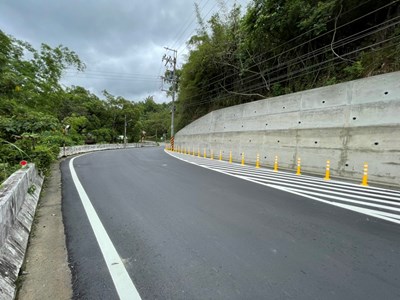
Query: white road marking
column 317, row 182
column 365, row 211
column 284, row 176
column 316, row 187
column 310, row 187
column 125, row 288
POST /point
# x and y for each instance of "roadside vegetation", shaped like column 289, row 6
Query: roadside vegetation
column 35, row 109
column 272, row 48
column 276, row 47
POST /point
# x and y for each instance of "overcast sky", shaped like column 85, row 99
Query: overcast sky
column 120, row 41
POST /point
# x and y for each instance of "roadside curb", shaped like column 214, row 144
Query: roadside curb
column 46, row 274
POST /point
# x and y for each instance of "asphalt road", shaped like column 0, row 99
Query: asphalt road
column 187, row 232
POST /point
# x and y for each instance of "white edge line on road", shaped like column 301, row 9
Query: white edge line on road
column 288, row 175
column 122, row 281
column 368, row 212
column 377, row 214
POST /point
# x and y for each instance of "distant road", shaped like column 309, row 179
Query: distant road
column 182, row 231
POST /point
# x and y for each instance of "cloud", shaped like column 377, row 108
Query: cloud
column 120, row 41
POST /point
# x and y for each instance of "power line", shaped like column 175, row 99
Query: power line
column 298, row 73
column 113, row 78
column 309, row 54
column 184, row 43
column 326, row 49
column 302, row 44
column 189, row 24
column 109, row 73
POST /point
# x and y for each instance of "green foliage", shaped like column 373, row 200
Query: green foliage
column 32, row 189
column 283, row 46
column 43, row 156
column 102, row 135
column 355, row 70
column 35, row 109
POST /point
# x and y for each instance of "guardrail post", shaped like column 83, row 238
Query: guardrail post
column 365, row 175
column 327, row 172
column 276, row 164
column 298, row 167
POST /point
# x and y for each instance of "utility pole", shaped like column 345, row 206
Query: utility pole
column 170, row 64
column 125, row 132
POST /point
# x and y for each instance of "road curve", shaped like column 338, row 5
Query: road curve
column 185, row 232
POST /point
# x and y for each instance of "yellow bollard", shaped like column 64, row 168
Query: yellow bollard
column 276, row 164
column 198, row 152
column 220, row 154
column 212, row 154
column 242, row 159
column 365, row 176
column 328, row 170
column 230, row 157
column 205, row 153
column 298, row 167
column 258, row 161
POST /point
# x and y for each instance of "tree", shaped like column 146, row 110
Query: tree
column 284, row 46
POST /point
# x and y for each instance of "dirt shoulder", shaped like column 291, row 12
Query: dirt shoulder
column 46, row 274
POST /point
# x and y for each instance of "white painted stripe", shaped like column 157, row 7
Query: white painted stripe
column 396, row 201
column 347, row 200
column 326, row 188
column 324, row 197
column 349, row 207
column 303, row 178
column 122, row 282
column 307, row 193
column 351, row 189
column 374, row 213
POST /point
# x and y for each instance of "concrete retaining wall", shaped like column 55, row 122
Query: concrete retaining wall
column 348, row 124
column 19, row 195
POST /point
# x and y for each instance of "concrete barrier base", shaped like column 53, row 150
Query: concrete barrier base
column 12, row 251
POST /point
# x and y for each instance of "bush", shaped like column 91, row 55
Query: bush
column 6, row 170
column 43, row 156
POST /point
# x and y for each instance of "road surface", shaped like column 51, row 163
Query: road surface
column 191, row 228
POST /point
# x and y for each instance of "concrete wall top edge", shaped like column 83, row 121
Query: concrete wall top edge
column 377, row 89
